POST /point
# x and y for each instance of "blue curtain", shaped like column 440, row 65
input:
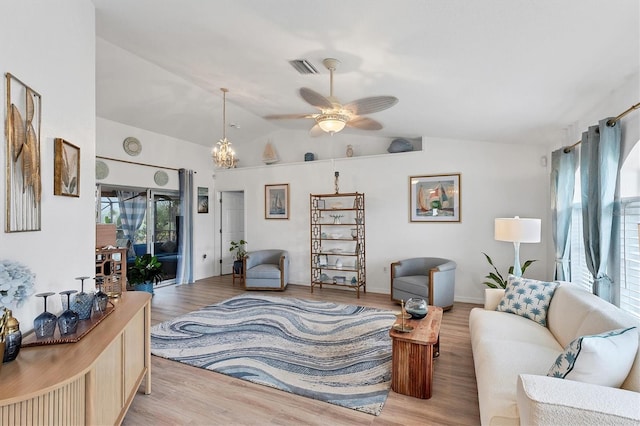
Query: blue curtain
column 563, row 176
column 184, row 272
column 599, row 163
column 133, row 207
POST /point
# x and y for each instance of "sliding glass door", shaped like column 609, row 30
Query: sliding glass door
column 154, row 231
column 163, row 214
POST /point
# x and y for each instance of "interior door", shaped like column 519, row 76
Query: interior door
column 231, row 226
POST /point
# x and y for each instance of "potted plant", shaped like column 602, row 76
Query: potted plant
column 239, row 254
column 144, row 273
column 496, row 280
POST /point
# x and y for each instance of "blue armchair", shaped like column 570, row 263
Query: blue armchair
column 429, row 278
column 266, row 270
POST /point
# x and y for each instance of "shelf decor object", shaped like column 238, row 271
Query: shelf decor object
column 132, row 146
column 337, row 241
column 434, row 198
column 161, row 178
column 102, row 170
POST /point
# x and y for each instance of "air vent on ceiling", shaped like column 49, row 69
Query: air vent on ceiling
column 303, row 66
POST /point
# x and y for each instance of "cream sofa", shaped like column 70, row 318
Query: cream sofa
column 512, row 356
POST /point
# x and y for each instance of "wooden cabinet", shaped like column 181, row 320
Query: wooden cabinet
column 89, row 382
column 338, row 240
column 111, row 266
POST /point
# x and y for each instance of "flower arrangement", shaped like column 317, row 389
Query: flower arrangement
column 16, row 283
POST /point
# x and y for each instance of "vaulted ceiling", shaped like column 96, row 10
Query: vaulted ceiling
column 513, row 71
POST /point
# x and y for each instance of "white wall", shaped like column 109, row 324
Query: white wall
column 498, row 180
column 51, row 47
column 162, row 151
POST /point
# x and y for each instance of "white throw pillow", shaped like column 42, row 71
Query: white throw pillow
column 601, row 359
column 527, row 298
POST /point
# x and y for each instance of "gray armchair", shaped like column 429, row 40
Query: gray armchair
column 430, row 278
column 266, row 270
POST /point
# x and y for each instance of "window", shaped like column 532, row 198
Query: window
column 630, row 256
column 627, row 245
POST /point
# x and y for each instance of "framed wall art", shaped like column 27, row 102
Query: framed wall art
column 23, row 172
column 276, row 201
column 203, row 199
column 434, row 198
column 66, row 168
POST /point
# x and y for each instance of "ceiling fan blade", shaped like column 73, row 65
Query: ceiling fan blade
column 314, row 98
column 288, row 116
column 316, row 131
column 364, row 123
column 371, row 104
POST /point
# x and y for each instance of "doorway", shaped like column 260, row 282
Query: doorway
column 231, row 226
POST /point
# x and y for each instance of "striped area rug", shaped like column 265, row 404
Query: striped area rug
column 335, row 353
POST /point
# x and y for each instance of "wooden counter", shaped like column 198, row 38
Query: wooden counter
column 89, row 382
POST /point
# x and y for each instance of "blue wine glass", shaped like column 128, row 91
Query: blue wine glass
column 101, row 298
column 83, row 302
column 44, row 324
column 68, row 320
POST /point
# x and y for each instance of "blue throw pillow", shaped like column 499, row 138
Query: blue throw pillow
column 527, row 298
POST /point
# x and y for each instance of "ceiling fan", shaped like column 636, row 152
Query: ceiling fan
column 334, row 116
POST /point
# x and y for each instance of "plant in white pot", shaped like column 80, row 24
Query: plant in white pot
column 495, row 279
column 239, row 252
column 144, row 273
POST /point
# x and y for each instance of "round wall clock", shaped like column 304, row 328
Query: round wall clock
column 161, row 177
column 102, row 170
column 132, row 146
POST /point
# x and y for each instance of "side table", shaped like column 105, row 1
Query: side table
column 413, row 353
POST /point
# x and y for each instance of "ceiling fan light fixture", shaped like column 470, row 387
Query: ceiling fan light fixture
column 332, row 123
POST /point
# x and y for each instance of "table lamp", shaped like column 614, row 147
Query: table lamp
column 517, row 230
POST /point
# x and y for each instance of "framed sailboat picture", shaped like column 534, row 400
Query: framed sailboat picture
column 434, row 198
column 276, row 201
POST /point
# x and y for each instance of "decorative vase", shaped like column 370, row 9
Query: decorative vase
column 416, row 307
column 237, row 267
column 338, row 263
column 349, row 151
column 148, row 287
column 12, row 338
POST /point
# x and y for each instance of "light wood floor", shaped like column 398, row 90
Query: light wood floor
column 185, row 395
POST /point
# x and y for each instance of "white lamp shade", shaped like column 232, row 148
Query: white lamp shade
column 517, row 230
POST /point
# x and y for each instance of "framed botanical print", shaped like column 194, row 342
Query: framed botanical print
column 276, row 201
column 434, row 198
column 66, row 168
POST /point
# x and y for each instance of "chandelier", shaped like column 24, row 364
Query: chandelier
column 223, row 156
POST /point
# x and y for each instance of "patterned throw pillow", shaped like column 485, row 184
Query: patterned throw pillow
column 601, row 359
column 527, row 298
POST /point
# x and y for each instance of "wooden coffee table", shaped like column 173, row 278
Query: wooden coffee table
column 413, row 353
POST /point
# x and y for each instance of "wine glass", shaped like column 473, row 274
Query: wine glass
column 44, row 324
column 68, row 320
column 101, row 298
column 83, row 302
